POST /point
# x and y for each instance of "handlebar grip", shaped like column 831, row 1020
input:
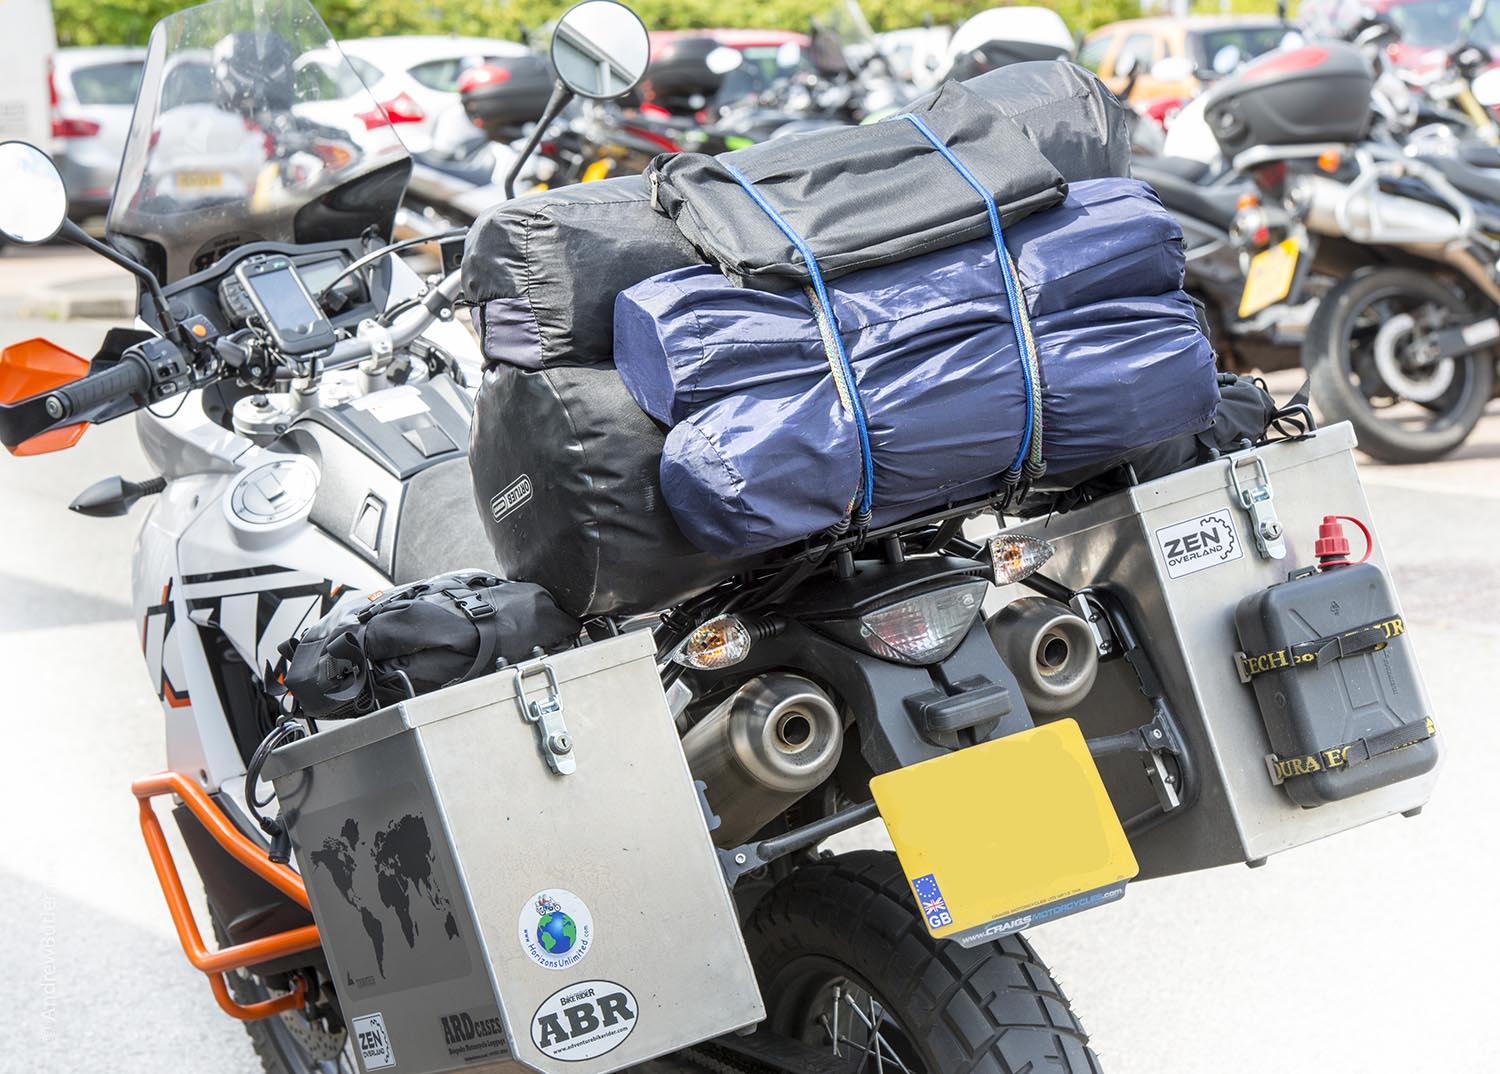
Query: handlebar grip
column 129, row 377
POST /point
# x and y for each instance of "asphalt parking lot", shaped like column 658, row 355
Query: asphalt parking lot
column 1373, row 953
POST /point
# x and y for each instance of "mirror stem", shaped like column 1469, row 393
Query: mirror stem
column 75, row 234
column 561, row 95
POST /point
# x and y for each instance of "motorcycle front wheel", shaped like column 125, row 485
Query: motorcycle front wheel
column 290, row 1043
column 1364, row 357
column 845, row 963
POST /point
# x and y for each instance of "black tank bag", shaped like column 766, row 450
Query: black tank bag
column 373, row 650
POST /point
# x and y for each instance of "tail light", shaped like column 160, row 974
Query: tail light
column 923, row 629
column 74, row 128
column 399, row 109
column 484, row 75
column 1270, row 176
column 66, row 128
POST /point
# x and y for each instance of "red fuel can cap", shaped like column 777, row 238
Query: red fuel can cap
column 1332, row 547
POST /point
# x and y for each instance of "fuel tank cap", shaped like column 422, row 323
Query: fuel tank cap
column 273, row 492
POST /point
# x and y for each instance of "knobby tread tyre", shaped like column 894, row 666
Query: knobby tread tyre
column 993, row 1009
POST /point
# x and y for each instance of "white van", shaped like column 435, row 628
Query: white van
column 26, row 47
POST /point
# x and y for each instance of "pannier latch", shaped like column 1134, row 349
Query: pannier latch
column 1256, row 499
column 545, row 714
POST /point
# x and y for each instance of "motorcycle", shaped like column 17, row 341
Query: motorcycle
column 301, row 394
column 1405, row 222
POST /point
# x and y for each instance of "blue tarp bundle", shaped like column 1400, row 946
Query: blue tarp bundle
column 762, row 450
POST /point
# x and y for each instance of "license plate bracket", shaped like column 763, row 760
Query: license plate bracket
column 1006, row 834
column 1270, row 278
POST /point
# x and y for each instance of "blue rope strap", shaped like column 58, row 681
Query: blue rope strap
column 843, row 372
column 1019, row 319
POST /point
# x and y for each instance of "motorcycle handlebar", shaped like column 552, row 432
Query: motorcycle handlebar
column 404, row 329
column 129, row 377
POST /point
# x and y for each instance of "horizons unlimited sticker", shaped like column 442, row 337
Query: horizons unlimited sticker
column 584, row 1020
column 1198, row 543
column 555, row 929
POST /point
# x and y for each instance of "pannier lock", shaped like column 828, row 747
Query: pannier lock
column 1257, row 501
column 545, row 714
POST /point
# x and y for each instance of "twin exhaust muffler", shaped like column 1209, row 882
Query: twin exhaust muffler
column 774, row 740
column 1050, row 651
column 780, row 735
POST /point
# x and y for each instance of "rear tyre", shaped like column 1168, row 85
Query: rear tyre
column 845, row 963
column 1363, row 356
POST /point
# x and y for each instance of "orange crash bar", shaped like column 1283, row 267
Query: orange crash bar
column 216, row 963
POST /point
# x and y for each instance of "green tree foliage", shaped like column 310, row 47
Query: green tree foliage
column 88, row 22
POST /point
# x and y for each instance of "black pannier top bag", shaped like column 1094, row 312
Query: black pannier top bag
column 566, row 473
column 373, row 650
column 565, row 464
column 877, row 194
column 1328, row 657
column 544, row 270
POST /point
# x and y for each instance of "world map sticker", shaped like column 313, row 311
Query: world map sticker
column 555, row 929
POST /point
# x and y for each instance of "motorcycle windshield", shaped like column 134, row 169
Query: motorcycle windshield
column 250, row 125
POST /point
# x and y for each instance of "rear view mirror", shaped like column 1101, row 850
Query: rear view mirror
column 1172, row 69
column 33, row 200
column 1486, row 88
column 1227, row 59
column 600, row 49
column 1125, row 65
column 723, row 60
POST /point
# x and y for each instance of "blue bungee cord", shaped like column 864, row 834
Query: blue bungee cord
column 1012, row 293
column 850, row 389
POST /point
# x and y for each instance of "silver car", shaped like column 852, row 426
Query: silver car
column 93, row 94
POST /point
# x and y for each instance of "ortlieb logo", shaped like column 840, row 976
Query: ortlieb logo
column 511, row 497
column 1200, row 542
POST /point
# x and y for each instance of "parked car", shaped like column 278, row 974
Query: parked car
column 415, row 79
column 92, row 93
column 1196, row 48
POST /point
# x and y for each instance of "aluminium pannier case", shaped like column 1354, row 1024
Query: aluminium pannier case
column 534, row 921
column 1181, row 552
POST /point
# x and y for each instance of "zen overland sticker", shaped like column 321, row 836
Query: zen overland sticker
column 1198, row 543
column 584, row 1020
column 511, row 497
column 374, row 1042
column 556, row 929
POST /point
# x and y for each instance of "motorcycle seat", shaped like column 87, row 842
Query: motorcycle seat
column 1480, row 183
column 475, row 174
column 1185, row 168
column 1215, row 205
column 1480, row 154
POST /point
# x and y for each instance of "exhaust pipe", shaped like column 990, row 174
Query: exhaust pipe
column 1050, row 651
column 1370, row 216
column 776, row 739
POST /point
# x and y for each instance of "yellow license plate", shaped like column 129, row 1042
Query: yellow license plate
column 1007, row 834
column 199, row 180
column 1270, row 277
